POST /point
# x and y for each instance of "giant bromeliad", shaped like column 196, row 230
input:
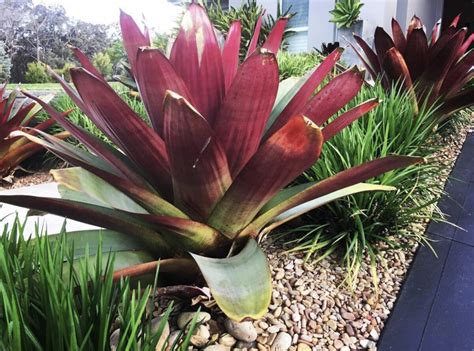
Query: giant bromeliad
column 210, row 173
column 438, row 69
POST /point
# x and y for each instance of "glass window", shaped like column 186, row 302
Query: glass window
column 301, row 8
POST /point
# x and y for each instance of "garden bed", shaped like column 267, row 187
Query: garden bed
column 312, row 306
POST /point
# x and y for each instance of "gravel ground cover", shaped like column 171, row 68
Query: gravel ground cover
column 312, row 308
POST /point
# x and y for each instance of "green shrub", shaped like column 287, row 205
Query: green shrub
column 5, row 63
column 297, row 65
column 353, row 226
column 102, row 62
column 346, row 13
column 36, row 73
column 64, row 71
column 248, row 14
column 48, row 301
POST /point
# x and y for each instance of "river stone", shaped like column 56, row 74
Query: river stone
column 243, row 331
column 186, row 317
column 200, row 336
column 114, row 339
column 155, row 324
column 227, row 340
column 282, row 342
column 303, row 347
column 216, row 347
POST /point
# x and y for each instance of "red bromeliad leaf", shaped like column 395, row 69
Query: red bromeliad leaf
column 128, row 131
column 339, row 181
column 196, row 57
column 275, row 37
column 133, row 38
column 455, row 21
column 435, row 34
column 465, row 47
column 230, row 53
column 398, row 36
column 396, row 69
column 85, row 62
column 383, row 43
column 416, row 54
column 439, row 66
column 120, row 221
column 334, row 96
column 458, row 75
column 297, row 103
column 246, row 108
column 446, row 36
column 414, row 23
column 198, row 163
column 457, row 102
column 114, row 158
column 371, row 56
column 348, row 117
column 256, row 35
column 155, row 75
column 287, row 153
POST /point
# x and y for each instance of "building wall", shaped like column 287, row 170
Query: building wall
column 374, row 13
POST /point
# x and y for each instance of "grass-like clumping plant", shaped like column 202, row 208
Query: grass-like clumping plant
column 437, row 69
column 297, row 65
column 50, row 301
column 354, row 226
column 209, row 175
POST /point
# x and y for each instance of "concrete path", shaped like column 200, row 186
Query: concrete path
column 435, row 309
column 52, row 223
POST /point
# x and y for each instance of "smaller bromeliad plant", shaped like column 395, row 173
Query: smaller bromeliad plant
column 436, row 69
column 346, row 13
column 208, row 176
column 15, row 114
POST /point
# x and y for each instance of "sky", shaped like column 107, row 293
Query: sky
column 159, row 14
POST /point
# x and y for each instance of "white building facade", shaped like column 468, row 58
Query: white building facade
column 313, row 28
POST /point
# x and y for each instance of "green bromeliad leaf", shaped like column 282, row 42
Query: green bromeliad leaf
column 238, row 293
column 81, row 181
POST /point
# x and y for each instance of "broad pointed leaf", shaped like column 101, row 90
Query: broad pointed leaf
column 396, row 68
column 96, row 215
column 241, row 284
column 230, row 53
column 155, row 75
column 282, row 113
column 201, row 66
column 246, row 108
column 275, row 37
column 285, row 155
column 338, row 181
column 133, row 38
column 414, row 23
column 321, row 201
column 458, row 75
column 457, row 102
column 370, row 54
column 398, row 36
column 334, row 96
column 383, row 43
column 256, row 34
column 85, row 62
column 348, row 117
column 198, row 163
column 82, row 181
column 416, row 54
column 128, row 131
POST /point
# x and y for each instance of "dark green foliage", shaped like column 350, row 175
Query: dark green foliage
column 102, row 62
column 248, row 14
column 354, row 225
column 36, row 73
column 48, row 301
column 346, row 13
column 5, row 63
